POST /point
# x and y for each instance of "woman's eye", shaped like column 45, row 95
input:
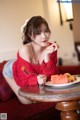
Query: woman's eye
column 38, row 33
column 46, row 30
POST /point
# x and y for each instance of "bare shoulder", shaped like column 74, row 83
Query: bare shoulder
column 24, row 52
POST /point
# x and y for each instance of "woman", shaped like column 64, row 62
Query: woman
column 36, row 59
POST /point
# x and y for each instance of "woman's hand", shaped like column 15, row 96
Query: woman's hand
column 47, row 51
column 41, row 79
column 50, row 49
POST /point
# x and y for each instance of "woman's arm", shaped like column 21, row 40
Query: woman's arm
column 47, row 52
column 21, row 77
column 50, row 67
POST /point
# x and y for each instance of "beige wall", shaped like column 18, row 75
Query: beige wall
column 13, row 14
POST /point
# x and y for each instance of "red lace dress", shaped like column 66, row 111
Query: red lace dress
column 25, row 73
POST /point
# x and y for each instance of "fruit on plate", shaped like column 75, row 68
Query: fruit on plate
column 59, row 79
column 62, row 78
column 71, row 78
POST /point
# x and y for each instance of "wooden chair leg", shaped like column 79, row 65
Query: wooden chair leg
column 68, row 110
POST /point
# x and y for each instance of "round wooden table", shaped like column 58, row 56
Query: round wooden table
column 66, row 98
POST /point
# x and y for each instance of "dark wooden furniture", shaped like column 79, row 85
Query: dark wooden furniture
column 66, row 98
column 74, row 69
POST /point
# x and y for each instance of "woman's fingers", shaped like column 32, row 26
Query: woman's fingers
column 51, row 48
column 41, row 79
column 56, row 46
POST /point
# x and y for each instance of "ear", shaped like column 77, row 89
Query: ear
column 31, row 36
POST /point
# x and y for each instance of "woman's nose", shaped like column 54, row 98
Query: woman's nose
column 43, row 35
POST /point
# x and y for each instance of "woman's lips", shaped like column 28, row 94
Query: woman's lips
column 44, row 41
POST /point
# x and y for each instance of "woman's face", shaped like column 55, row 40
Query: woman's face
column 42, row 38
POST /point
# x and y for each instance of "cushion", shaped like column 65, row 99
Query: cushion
column 74, row 70
column 5, row 91
column 25, row 112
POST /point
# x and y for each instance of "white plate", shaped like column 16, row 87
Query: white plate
column 49, row 83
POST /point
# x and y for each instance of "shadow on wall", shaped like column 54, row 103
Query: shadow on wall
column 77, row 47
